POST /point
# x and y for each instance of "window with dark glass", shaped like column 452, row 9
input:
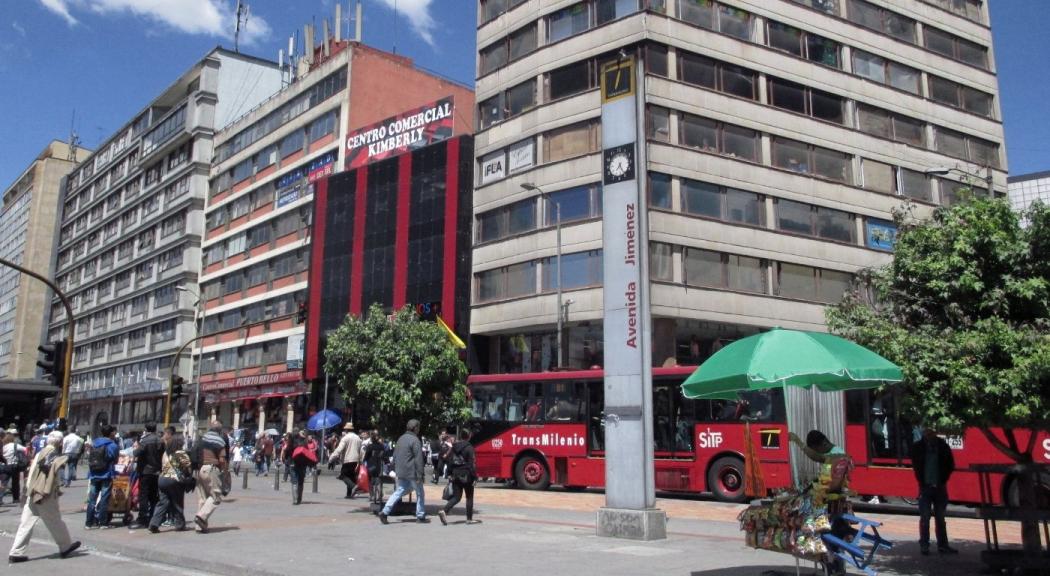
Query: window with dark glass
column 659, row 190
column 722, row 203
column 718, row 137
column 881, row 20
column 784, row 37
column 954, row 47
column 579, row 203
column 609, row 10
column 968, row 147
column 915, row 185
column 507, row 220
column 658, row 123
column 656, row 59
column 568, row 21
column 948, row 92
column 569, row 80
column 521, row 98
column 490, row 111
column 883, row 71
column 829, row 6
column 878, row 122
column 809, row 159
column 808, row 283
column 718, row 270
column 578, row 270
column 493, row 57
column 522, row 41
column 661, row 261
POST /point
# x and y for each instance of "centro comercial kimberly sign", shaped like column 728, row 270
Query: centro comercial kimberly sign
column 409, row 130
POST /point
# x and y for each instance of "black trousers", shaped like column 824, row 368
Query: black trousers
column 457, row 492
column 298, row 473
column 348, row 472
column 170, row 504
column 149, row 495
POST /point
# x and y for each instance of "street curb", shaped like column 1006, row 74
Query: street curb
column 157, row 556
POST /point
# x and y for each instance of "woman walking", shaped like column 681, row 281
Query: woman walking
column 301, row 453
column 176, row 478
column 462, row 473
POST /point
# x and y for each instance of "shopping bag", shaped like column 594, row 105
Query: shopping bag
column 447, row 493
column 362, row 478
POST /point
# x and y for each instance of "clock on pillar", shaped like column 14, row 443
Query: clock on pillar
column 618, row 163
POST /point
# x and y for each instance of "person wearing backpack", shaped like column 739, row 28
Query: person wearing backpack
column 462, row 475
column 101, row 469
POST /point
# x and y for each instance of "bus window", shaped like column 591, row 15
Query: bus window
column 685, row 422
column 564, row 400
column 534, row 407
column 517, row 396
column 596, row 407
column 757, row 406
column 487, row 402
column 663, row 427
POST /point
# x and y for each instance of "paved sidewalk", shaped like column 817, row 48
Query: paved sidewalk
column 258, row 531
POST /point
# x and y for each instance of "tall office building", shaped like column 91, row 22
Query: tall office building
column 1027, row 188
column 259, row 212
column 774, row 138
column 129, row 246
column 27, row 230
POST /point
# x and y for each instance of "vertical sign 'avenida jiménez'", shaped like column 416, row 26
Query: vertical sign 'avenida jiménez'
column 629, row 494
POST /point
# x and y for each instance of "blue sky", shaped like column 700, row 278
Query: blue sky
column 107, row 59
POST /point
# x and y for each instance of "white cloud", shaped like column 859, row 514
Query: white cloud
column 18, row 28
column 204, row 17
column 61, row 8
column 418, row 13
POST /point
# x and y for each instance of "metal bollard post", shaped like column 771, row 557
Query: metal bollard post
column 277, row 478
column 317, row 473
column 244, row 482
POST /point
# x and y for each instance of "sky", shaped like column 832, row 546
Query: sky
column 90, row 65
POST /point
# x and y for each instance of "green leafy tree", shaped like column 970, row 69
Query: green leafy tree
column 402, row 367
column 964, row 310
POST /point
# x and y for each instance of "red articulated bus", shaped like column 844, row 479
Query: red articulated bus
column 545, row 428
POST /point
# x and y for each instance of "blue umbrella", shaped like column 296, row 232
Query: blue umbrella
column 323, row 420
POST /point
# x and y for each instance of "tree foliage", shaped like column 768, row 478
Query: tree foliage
column 964, row 310
column 401, row 366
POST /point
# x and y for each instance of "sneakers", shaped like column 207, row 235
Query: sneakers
column 946, row 550
column 17, row 559
column 202, row 525
column 72, row 548
column 423, row 520
column 153, row 529
column 443, row 518
column 382, row 518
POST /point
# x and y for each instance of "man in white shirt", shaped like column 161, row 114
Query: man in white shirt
column 72, row 446
column 349, row 453
column 11, row 447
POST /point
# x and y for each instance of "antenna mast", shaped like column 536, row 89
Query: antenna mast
column 74, row 140
column 242, row 15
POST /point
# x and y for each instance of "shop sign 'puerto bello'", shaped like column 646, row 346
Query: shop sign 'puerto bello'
column 409, row 130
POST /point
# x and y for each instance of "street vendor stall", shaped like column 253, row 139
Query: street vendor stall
column 812, row 520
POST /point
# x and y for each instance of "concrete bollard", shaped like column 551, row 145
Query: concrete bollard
column 277, row 478
column 317, row 473
column 244, row 481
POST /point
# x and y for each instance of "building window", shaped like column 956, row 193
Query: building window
column 722, row 203
column 703, row 71
column 233, row 283
column 883, row 71
column 829, row 6
column 717, row 17
column 969, row 9
column 506, row 221
column 813, row 284
column 808, row 101
column 878, row 176
column 803, row 44
column 730, row 271
column 959, row 96
column 507, row 104
column 321, row 127
column 914, row 184
column 292, row 143
column 971, row 148
column 578, row 270
column 954, row 47
column 490, row 9
column 656, row 59
column 882, row 123
column 881, row 20
column 952, row 192
column 815, row 221
column 659, row 190
column 570, row 80
column 718, row 137
column 164, row 296
column 572, row 141
column 507, row 49
column 507, row 282
column 661, row 262
column 579, row 203
column 164, row 331
column 568, row 22
column 808, row 159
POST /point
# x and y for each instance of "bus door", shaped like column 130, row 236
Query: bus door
column 596, row 418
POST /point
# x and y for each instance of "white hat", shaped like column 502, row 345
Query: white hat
column 42, row 428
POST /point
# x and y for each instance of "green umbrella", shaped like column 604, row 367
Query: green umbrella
column 780, row 358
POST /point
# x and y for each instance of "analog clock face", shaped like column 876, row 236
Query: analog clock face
column 619, row 164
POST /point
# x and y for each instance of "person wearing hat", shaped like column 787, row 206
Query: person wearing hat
column 348, row 451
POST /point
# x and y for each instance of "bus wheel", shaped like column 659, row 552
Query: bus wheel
column 1012, row 491
column 531, row 474
column 725, row 479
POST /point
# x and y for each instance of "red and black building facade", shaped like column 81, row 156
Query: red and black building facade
column 396, row 232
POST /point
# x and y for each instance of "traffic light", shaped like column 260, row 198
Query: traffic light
column 301, row 316
column 53, row 362
column 177, row 385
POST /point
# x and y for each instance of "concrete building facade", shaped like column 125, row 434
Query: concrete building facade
column 258, row 218
column 27, row 227
column 778, row 135
column 1027, row 188
column 129, row 246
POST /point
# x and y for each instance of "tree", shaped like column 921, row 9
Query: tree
column 964, row 310
column 402, row 367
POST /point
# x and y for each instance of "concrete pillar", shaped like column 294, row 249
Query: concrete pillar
column 213, row 413
column 262, row 415
column 289, row 408
column 236, row 415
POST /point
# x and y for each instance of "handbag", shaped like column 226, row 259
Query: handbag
column 304, row 455
column 362, row 478
column 448, row 492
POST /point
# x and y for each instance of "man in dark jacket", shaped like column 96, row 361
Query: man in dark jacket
column 409, row 467
column 101, row 469
column 933, row 464
column 148, row 458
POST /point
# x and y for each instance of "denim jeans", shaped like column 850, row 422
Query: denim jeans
column 98, row 502
column 932, row 499
column 70, row 473
column 407, row 485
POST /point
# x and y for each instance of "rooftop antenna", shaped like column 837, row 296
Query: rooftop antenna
column 358, row 22
column 74, row 140
column 395, row 27
column 242, row 14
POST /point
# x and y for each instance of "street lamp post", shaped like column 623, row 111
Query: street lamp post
column 947, row 170
column 198, row 321
column 557, row 230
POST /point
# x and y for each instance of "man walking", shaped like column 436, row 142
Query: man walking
column 933, row 464
column 148, row 458
column 410, row 469
column 263, row 455
column 42, row 503
column 211, row 457
column 72, row 446
column 101, row 469
column 349, row 452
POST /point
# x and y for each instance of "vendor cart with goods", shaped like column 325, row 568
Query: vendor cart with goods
column 813, row 521
column 123, row 498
